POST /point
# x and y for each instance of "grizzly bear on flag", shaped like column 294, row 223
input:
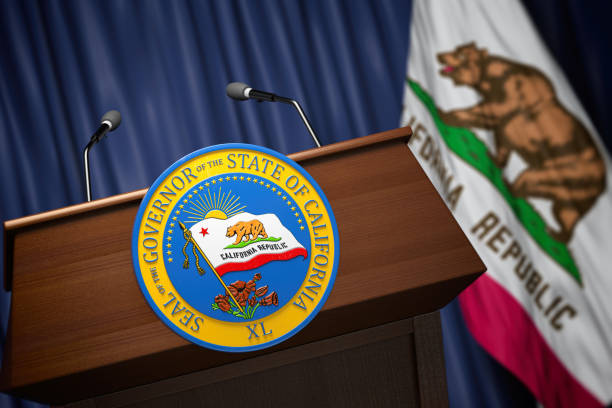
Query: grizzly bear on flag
column 520, row 107
column 242, row 229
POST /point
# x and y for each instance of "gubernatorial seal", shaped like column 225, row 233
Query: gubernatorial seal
column 235, row 247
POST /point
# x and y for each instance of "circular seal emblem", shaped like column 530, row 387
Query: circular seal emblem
column 235, row 247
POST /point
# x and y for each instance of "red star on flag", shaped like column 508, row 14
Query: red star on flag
column 204, row 231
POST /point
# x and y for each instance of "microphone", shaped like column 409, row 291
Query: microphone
column 241, row 92
column 109, row 122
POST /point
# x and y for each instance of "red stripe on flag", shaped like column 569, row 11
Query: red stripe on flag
column 259, row 260
column 502, row 327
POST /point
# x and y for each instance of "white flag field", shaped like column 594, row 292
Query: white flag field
column 502, row 136
column 245, row 241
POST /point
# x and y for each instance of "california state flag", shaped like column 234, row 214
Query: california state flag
column 500, row 133
column 245, row 241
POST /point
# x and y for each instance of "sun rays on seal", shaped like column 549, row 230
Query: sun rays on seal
column 219, row 205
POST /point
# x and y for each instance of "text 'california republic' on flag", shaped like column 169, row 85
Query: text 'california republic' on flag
column 502, row 136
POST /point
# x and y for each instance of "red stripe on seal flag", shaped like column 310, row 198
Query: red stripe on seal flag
column 259, row 260
column 503, row 328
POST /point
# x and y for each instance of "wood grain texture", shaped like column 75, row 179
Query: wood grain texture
column 430, row 360
column 13, row 226
column 261, row 370
column 395, row 134
column 80, row 326
column 397, row 364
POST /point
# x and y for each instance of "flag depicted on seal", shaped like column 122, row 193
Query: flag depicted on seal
column 252, row 247
column 235, row 247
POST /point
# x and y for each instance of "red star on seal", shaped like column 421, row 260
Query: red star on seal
column 204, row 231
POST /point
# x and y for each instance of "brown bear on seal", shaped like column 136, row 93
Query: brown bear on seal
column 520, row 106
column 246, row 229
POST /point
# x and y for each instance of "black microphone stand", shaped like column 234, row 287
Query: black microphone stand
column 241, row 92
column 102, row 130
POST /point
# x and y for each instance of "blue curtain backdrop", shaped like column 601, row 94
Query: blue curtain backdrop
column 165, row 64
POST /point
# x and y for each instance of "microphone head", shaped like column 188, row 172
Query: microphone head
column 236, row 90
column 112, row 118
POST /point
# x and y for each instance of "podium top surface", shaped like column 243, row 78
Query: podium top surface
column 400, row 134
column 80, row 326
column 13, row 226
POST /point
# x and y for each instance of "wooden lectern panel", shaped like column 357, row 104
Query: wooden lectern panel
column 81, row 327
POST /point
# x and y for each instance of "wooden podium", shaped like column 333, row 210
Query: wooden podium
column 81, row 331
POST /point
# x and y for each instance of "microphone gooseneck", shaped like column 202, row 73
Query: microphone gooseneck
column 109, row 122
column 241, row 92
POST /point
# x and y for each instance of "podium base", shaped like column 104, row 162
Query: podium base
column 396, row 364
